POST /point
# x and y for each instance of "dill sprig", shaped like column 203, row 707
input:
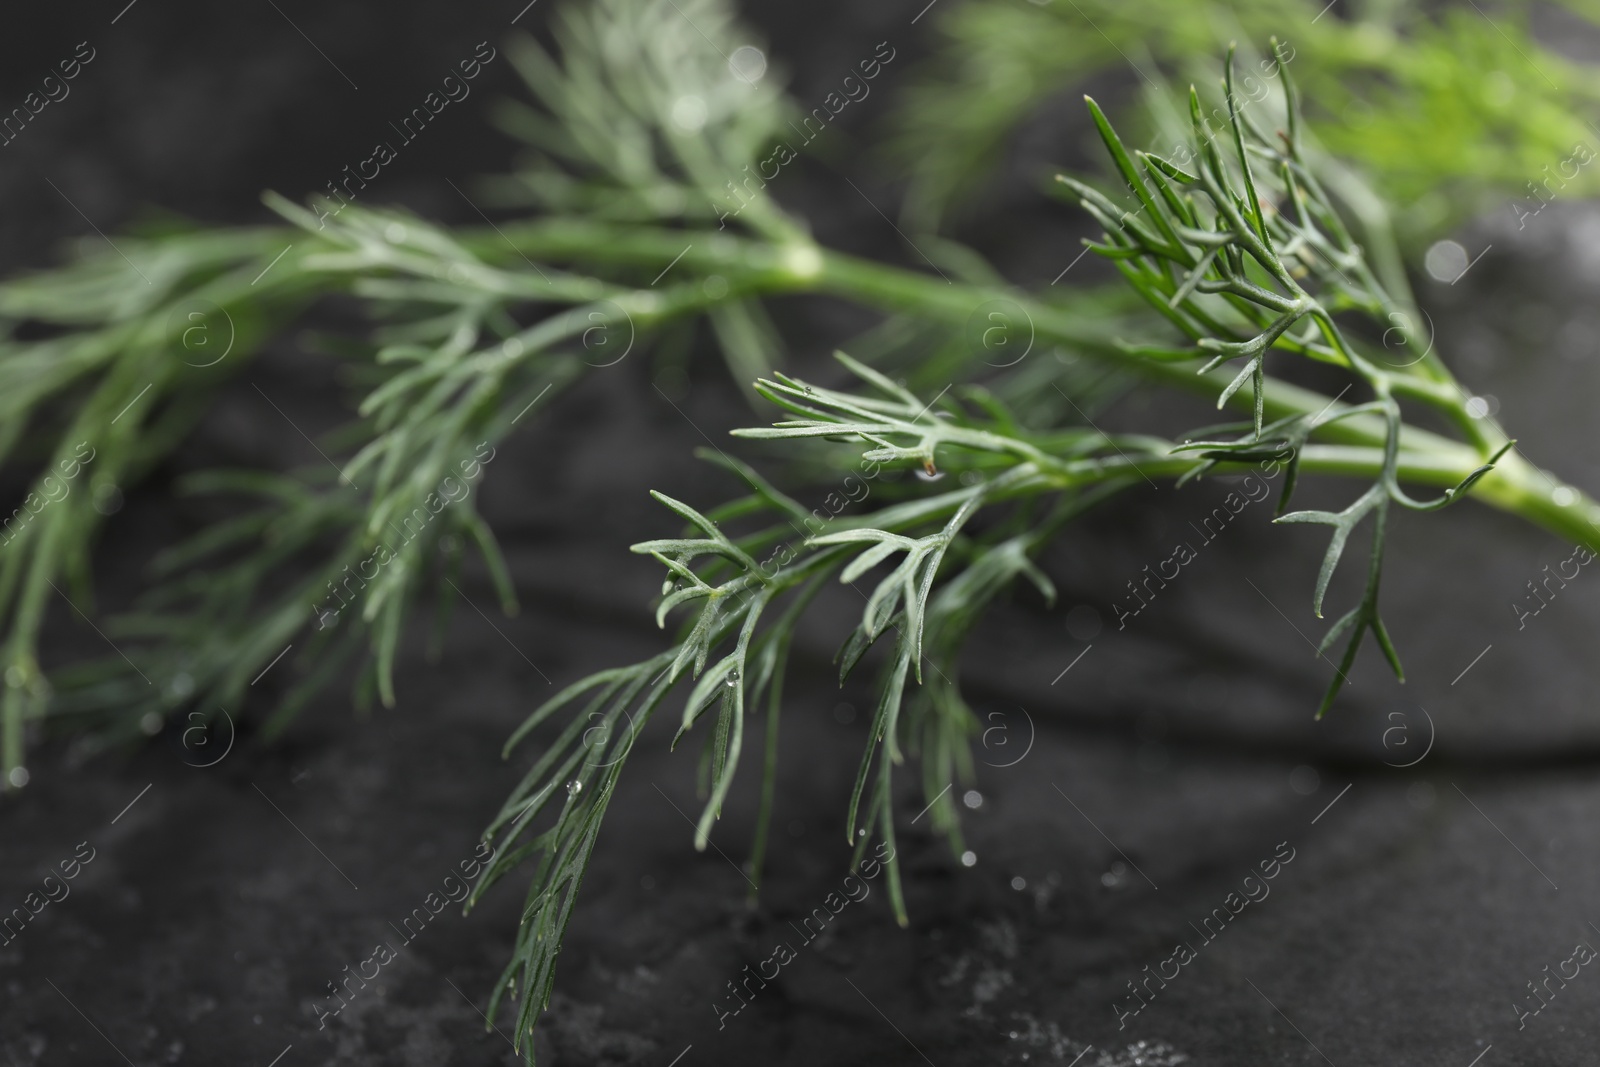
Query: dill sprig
column 1245, row 256
column 640, row 224
column 1248, row 256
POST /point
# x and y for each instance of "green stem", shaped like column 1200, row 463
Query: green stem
column 791, row 263
column 1515, row 486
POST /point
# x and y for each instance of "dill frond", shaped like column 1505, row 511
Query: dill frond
column 1244, row 243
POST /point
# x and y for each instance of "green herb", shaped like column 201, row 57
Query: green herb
column 1246, row 257
column 1244, row 248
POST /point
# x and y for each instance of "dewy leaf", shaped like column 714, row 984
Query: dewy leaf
column 709, row 685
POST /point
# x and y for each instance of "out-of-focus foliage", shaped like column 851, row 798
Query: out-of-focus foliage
column 1449, row 109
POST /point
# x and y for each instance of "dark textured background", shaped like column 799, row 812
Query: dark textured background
column 1406, row 926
